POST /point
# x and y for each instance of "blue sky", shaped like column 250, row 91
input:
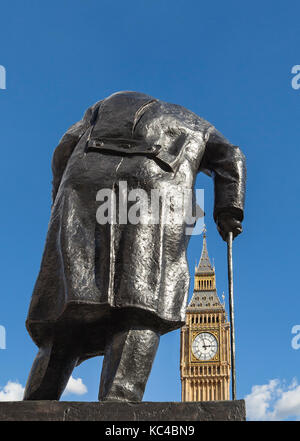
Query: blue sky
column 229, row 62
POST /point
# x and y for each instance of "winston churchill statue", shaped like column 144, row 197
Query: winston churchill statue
column 113, row 288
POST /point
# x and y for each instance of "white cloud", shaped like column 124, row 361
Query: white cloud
column 75, row 386
column 12, row 392
column 274, row 401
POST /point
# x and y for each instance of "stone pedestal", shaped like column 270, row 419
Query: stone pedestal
column 114, row 411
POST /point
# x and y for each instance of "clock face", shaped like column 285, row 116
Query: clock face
column 205, row 346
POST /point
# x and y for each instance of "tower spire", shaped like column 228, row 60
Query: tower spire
column 204, row 265
column 205, row 294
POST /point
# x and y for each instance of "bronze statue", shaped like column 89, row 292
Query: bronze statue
column 114, row 288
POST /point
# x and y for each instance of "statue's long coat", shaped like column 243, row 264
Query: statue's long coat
column 95, row 278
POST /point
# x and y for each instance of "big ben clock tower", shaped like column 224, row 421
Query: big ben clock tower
column 205, row 340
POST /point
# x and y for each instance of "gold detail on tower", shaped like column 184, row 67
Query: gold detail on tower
column 205, row 340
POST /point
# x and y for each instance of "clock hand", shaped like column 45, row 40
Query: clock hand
column 203, row 341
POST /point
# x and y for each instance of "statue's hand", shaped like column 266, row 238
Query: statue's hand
column 226, row 223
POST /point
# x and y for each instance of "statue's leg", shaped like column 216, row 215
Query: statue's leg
column 127, row 364
column 50, row 373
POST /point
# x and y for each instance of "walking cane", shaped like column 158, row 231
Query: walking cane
column 231, row 311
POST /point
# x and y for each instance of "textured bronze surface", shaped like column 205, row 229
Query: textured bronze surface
column 98, row 281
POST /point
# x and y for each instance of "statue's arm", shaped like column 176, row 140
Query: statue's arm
column 226, row 163
column 67, row 144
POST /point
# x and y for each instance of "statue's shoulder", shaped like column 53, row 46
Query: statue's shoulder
column 131, row 105
column 183, row 115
